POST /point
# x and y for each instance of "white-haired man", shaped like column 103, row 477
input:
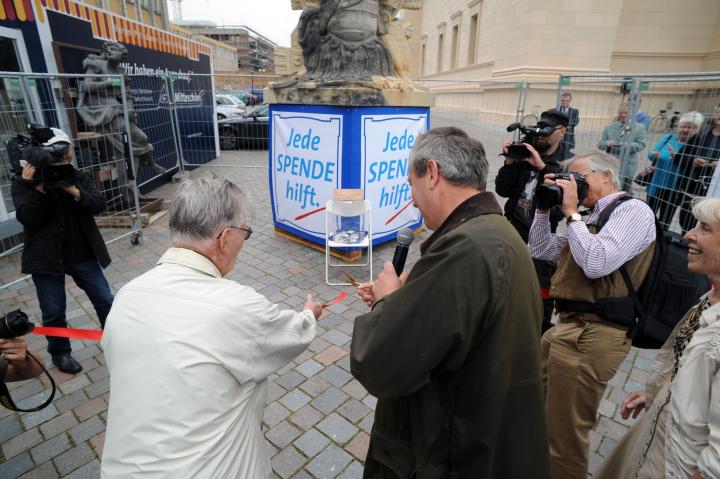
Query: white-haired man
column 189, row 352
column 585, row 348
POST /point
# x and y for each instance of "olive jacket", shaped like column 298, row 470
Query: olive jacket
column 453, row 357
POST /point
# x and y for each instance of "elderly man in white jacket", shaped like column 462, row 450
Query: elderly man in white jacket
column 189, row 352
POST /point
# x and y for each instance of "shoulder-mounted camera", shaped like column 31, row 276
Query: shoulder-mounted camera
column 46, row 149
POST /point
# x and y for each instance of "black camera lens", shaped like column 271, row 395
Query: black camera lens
column 15, row 324
column 58, row 176
column 549, row 196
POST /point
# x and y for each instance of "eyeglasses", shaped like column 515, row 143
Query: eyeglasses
column 248, row 231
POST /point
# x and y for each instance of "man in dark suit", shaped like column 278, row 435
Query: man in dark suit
column 573, row 117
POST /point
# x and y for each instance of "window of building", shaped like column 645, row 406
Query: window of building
column 472, row 46
column 454, row 47
column 422, row 59
column 440, row 52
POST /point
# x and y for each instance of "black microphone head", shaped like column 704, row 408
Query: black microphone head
column 513, row 126
column 405, row 236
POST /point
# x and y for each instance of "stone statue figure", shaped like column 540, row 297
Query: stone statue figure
column 100, row 105
column 339, row 41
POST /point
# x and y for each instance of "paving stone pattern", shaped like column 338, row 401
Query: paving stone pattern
column 318, row 419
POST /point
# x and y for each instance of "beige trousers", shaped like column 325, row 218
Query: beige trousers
column 578, row 359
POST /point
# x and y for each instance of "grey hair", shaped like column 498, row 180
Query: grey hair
column 600, row 162
column 692, row 117
column 204, row 205
column 461, row 159
column 706, row 210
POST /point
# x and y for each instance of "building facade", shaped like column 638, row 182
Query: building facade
column 539, row 39
column 225, row 57
column 149, row 12
column 254, row 51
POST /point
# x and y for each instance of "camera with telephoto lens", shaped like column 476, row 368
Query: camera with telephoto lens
column 552, row 195
column 45, row 149
column 531, row 134
column 15, row 324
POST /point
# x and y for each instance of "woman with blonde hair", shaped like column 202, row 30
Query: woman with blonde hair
column 679, row 434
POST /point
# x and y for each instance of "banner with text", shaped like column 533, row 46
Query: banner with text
column 306, row 152
column 385, row 150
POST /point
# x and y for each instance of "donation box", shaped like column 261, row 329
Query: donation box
column 317, row 149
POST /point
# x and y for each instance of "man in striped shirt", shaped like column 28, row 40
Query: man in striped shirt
column 583, row 352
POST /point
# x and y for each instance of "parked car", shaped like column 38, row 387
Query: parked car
column 227, row 106
column 247, row 131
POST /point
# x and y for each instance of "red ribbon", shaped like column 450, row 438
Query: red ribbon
column 544, row 293
column 342, row 296
column 96, row 334
column 91, row 334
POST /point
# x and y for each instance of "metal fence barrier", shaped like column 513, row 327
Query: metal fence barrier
column 71, row 103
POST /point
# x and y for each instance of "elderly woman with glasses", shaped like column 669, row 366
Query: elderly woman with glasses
column 663, row 196
column 679, row 434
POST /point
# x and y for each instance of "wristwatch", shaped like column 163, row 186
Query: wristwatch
column 573, row 217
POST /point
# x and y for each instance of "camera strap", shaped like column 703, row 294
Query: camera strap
column 7, row 401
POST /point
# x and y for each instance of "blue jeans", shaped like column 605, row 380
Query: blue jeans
column 51, row 295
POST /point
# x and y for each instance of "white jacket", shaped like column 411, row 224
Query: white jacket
column 189, row 354
column 693, row 423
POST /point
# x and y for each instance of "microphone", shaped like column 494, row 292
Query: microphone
column 404, row 237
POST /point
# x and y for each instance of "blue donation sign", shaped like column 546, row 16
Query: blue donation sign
column 317, row 149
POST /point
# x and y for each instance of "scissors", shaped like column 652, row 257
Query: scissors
column 352, row 280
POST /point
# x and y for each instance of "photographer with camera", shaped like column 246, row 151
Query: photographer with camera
column 522, row 175
column 55, row 203
column 584, row 350
column 15, row 361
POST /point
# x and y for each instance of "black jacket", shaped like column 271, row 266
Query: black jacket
column 510, row 182
column 45, row 215
column 695, row 180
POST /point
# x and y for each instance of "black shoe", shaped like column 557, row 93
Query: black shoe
column 67, row 364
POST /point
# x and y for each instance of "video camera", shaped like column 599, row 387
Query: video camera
column 15, row 324
column 517, row 150
column 552, row 195
column 45, row 149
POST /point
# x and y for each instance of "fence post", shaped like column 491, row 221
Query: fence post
column 522, row 98
column 627, row 175
column 25, row 91
column 137, row 220
column 177, row 139
column 562, row 81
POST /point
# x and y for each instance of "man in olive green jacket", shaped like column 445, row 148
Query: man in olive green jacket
column 452, row 349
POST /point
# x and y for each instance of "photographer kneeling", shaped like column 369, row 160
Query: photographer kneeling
column 15, row 361
column 584, row 350
column 55, row 203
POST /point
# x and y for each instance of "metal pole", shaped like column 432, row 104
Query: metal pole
column 521, row 101
column 177, row 140
column 30, row 108
column 628, row 173
column 137, row 221
column 561, row 83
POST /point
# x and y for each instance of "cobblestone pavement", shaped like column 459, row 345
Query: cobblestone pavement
column 318, row 418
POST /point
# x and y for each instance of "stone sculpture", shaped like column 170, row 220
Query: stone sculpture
column 347, row 52
column 100, row 105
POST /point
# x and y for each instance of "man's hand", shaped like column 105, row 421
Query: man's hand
column 14, row 351
column 366, row 294
column 570, row 196
column 73, row 191
column 505, row 145
column 28, row 172
column 610, row 143
column 671, row 150
column 699, row 162
column 656, row 154
column 634, row 403
column 535, row 159
column 314, row 307
column 387, row 282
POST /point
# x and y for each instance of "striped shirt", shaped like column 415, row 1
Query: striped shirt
column 627, row 233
